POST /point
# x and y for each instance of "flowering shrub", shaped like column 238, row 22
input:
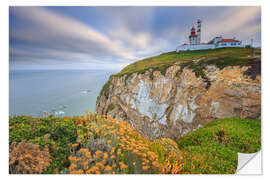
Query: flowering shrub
column 169, row 155
column 105, row 145
column 26, row 158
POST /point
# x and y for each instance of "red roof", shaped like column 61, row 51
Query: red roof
column 184, row 44
column 203, row 43
column 228, row 40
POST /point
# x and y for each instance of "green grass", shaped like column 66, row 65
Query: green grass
column 166, row 59
column 213, row 149
column 62, row 131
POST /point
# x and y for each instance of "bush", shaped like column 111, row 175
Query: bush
column 27, row 158
column 59, row 131
column 109, row 146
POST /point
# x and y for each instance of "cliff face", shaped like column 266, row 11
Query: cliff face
column 177, row 102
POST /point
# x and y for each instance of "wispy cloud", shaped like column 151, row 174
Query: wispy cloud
column 119, row 35
column 70, row 37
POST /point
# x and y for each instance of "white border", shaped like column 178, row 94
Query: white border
column 4, row 74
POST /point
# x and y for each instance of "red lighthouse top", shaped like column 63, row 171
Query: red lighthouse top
column 192, row 31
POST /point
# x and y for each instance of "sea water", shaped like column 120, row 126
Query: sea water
column 62, row 92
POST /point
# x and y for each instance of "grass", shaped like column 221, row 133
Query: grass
column 101, row 144
column 213, row 149
column 162, row 61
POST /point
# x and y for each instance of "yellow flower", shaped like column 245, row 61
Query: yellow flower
column 108, row 168
column 98, row 152
column 114, row 165
column 113, row 149
column 90, row 133
column 105, row 155
column 85, row 165
column 72, row 166
column 118, row 151
column 88, row 154
column 112, row 156
column 122, row 166
column 70, row 158
column 74, row 145
column 100, row 165
column 89, row 171
column 145, row 168
column 109, row 141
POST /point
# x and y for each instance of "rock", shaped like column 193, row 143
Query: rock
column 211, row 68
column 177, row 103
column 236, row 93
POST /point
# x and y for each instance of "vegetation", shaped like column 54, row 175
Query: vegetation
column 100, row 144
column 110, row 108
column 47, row 132
column 26, row 158
column 213, row 149
column 162, row 61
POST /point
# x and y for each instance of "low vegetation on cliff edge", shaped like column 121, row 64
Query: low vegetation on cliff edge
column 167, row 59
column 97, row 144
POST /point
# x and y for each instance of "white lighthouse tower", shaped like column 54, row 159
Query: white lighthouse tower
column 193, row 36
column 199, row 22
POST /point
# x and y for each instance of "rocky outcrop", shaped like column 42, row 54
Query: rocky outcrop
column 177, row 102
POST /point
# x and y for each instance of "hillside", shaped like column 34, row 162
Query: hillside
column 175, row 93
column 100, row 144
column 164, row 60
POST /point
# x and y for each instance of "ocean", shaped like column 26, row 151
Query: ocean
column 63, row 92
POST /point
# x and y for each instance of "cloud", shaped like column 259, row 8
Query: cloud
column 112, row 37
column 54, row 31
column 232, row 21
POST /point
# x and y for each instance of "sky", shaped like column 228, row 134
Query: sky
column 109, row 38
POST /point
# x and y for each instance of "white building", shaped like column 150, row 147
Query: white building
column 217, row 42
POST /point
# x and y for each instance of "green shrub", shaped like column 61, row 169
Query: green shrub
column 60, row 131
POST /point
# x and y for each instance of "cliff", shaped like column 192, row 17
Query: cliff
column 173, row 94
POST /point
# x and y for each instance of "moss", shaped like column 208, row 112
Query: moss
column 110, row 108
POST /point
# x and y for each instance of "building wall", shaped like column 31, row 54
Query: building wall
column 195, row 47
column 208, row 46
column 193, row 40
column 229, row 44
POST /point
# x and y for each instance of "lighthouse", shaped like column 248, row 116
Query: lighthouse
column 199, row 22
column 193, row 36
